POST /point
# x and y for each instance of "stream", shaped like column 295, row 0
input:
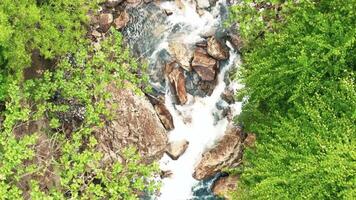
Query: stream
column 199, row 121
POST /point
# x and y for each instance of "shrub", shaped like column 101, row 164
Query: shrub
column 298, row 71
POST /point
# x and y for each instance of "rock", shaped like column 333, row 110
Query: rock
column 182, row 53
column 226, row 154
column 203, row 4
column 105, row 20
column 202, row 44
column 177, row 80
column 217, row 50
column 236, row 41
column 197, row 87
column 165, row 116
column 177, row 148
column 222, row 186
column 166, row 174
column 135, row 123
column 228, row 95
column 221, row 105
column 113, row 3
column 122, row 20
column 250, row 140
column 96, row 34
column 204, row 65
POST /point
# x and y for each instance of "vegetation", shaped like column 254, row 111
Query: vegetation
column 298, row 69
column 64, row 102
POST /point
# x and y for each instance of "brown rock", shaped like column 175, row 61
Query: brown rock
column 182, row 53
column 165, row 116
column 177, row 79
column 204, row 65
column 228, row 95
column 250, row 140
column 122, row 20
column 224, row 185
column 217, row 50
column 105, row 20
column 177, row 148
column 226, row 154
column 236, row 41
column 202, row 44
column 135, row 123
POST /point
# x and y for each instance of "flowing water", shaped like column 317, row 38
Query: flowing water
column 197, row 120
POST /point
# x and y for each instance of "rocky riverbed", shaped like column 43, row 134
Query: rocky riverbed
column 185, row 123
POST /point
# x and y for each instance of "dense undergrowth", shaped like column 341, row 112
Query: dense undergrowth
column 299, row 74
column 48, row 113
column 299, row 64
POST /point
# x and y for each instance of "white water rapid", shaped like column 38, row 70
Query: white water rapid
column 194, row 121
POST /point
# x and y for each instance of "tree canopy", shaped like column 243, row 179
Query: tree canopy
column 299, row 75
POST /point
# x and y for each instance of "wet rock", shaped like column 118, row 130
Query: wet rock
column 226, row 154
column 224, row 185
column 197, row 87
column 228, row 95
column 203, row 4
column 182, row 53
column 157, row 72
column 113, row 3
column 221, row 104
column 177, row 148
column 135, row 123
column 250, row 140
column 177, row 80
column 105, row 21
column 141, row 33
column 217, row 50
column 165, row 116
column 122, row 20
column 166, row 174
column 204, row 65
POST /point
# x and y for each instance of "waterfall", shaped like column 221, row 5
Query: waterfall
column 196, row 120
column 201, row 133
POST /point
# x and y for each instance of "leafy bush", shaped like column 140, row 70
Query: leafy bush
column 299, row 76
column 63, row 106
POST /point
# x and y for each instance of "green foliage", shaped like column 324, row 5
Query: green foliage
column 299, row 76
column 67, row 102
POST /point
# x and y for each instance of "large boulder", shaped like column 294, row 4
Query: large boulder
column 204, row 64
column 217, row 50
column 182, row 53
column 226, row 154
column 177, row 80
column 224, row 185
column 135, row 123
column 177, row 148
